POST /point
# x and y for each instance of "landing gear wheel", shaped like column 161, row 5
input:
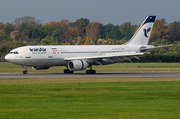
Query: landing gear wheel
column 67, row 71
column 90, row 71
column 25, row 72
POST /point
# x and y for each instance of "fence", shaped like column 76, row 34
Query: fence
column 2, row 59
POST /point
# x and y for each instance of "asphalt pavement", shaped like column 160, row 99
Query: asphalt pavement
column 84, row 75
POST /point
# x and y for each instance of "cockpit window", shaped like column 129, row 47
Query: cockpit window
column 14, row 52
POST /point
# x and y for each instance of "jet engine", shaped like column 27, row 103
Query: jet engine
column 40, row 67
column 76, row 65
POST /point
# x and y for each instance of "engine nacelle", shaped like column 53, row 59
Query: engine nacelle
column 40, row 67
column 76, row 65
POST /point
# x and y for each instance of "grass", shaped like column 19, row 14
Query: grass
column 119, row 67
column 101, row 98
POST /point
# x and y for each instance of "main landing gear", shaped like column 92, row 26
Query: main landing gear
column 67, row 71
column 90, row 71
column 25, row 70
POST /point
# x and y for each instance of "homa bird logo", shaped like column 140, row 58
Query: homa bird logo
column 146, row 31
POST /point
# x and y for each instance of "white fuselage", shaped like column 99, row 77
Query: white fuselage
column 55, row 55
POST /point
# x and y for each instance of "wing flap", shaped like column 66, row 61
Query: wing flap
column 106, row 56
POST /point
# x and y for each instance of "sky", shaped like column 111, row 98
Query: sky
column 103, row 11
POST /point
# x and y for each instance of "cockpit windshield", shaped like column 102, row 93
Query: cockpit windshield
column 13, row 52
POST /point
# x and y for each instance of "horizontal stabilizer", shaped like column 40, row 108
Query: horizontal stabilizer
column 144, row 49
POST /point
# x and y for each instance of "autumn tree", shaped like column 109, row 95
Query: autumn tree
column 62, row 26
column 49, row 29
column 87, row 41
column 78, row 40
column 81, row 25
column 52, row 23
column 3, row 35
column 66, row 43
column 44, row 31
column 111, row 31
column 8, row 28
column 14, row 35
column 56, row 36
column 117, row 42
column 25, row 35
column 93, row 30
column 174, row 31
column 35, row 33
column 160, row 32
column 162, row 29
column 71, row 33
column 17, row 21
column 26, row 26
column 110, row 41
column 127, row 30
column 27, row 19
column 107, row 31
column 1, row 25
column 45, row 41
column 117, row 35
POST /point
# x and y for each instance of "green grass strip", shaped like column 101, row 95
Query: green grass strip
column 119, row 67
column 99, row 98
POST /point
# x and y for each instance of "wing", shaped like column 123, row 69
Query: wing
column 111, row 57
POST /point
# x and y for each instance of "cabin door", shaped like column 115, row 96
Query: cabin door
column 28, row 56
column 28, row 53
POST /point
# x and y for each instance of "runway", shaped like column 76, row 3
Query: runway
column 83, row 75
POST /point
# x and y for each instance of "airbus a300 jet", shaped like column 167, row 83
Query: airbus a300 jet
column 80, row 57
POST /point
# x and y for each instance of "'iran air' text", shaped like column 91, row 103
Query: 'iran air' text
column 38, row 50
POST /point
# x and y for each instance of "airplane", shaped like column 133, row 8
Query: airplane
column 80, row 57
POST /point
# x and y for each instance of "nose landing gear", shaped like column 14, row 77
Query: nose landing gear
column 25, row 70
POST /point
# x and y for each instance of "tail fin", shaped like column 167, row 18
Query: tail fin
column 141, row 37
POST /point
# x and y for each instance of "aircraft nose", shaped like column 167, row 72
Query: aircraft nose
column 7, row 57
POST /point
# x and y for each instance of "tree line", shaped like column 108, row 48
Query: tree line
column 29, row 31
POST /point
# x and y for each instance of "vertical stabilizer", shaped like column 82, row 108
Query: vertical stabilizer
column 141, row 37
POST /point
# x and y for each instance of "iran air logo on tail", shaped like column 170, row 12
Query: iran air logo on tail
column 146, row 31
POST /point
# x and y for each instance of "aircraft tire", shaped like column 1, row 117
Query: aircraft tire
column 90, row 71
column 67, row 71
column 25, row 72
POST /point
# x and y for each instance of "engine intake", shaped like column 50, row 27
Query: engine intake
column 76, row 65
column 40, row 67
